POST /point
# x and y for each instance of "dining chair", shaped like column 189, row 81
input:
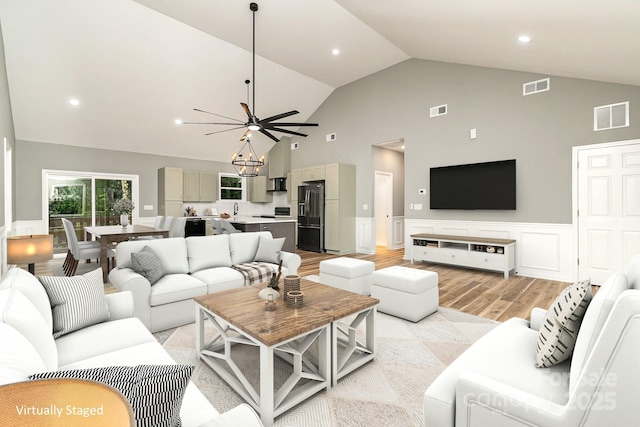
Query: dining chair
column 156, row 224
column 168, row 224
column 84, row 251
column 178, row 229
column 68, row 227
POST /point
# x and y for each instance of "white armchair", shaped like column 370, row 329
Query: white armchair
column 496, row 383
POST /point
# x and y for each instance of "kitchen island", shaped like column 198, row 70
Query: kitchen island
column 279, row 227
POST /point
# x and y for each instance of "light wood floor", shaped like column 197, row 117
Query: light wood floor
column 477, row 292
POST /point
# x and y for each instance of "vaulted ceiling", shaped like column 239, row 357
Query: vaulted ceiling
column 137, row 66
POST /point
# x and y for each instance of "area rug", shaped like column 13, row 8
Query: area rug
column 385, row 392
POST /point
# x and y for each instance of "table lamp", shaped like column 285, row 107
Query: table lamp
column 29, row 250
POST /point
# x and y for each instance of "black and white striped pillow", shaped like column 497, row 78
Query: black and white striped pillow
column 76, row 302
column 154, row 392
column 559, row 330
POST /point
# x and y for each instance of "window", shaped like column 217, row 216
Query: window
column 232, row 187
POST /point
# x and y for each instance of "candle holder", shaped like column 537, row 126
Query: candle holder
column 270, row 304
column 294, row 299
column 291, row 283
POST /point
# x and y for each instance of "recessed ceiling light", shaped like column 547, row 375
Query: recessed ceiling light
column 177, row 121
column 336, row 51
column 524, row 39
column 74, row 102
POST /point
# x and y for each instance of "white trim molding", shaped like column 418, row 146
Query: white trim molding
column 397, row 233
column 542, row 251
column 366, row 235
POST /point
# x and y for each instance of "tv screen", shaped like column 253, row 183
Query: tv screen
column 490, row 185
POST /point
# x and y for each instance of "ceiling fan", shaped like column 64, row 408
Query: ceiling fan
column 253, row 123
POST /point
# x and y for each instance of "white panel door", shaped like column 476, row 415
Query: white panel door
column 608, row 209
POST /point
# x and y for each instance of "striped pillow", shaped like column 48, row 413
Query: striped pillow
column 559, row 330
column 76, row 302
column 154, row 392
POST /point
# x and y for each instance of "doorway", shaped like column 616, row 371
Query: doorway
column 607, row 214
column 383, row 207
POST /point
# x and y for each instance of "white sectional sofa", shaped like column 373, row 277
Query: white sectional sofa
column 28, row 346
column 194, row 266
column 496, row 382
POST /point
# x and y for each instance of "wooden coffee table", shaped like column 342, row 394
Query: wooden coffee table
column 320, row 344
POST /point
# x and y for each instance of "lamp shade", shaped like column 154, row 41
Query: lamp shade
column 29, row 249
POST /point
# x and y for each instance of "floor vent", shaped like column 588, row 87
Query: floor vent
column 439, row 110
column 611, row 116
column 536, row 87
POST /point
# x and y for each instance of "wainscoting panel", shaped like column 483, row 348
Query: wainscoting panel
column 397, row 240
column 365, row 235
column 543, row 251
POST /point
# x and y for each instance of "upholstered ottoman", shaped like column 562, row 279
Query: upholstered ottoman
column 408, row 293
column 349, row 274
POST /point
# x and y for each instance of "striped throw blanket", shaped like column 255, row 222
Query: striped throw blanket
column 255, row 272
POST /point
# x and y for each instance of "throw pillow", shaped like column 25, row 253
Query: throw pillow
column 76, row 302
column 559, row 330
column 148, row 263
column 154, row 392
column 269, row 250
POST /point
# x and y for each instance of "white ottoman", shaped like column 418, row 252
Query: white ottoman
column 408, row 293
column 350, row 274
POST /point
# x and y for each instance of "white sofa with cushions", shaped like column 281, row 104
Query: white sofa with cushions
column 89, row 334
column 192, row 266
column 496, row 381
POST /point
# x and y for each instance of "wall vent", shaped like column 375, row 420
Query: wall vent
column 438, row 110
column 611, row 116
column 536, row 87
column 331, row 137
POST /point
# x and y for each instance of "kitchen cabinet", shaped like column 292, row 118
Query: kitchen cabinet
column 313, row 173
column 340, row 208
column 170, row 187
column 294, row 179
column 208, row 186
column 280, row 158
column 258, row 190
column 339, row 178
column 199, row 186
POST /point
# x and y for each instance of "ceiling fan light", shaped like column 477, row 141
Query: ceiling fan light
column 254, row 126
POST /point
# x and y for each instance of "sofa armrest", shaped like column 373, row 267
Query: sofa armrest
column 537, row 317
column 242, row 415
column 120, row 305
column 291, row 261
column 481, row 400
column 125, row 279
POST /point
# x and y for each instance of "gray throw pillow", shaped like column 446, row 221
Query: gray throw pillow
column 154, row 392
column 76, row 302
column 269, row 250
column 148, row 263
column 559, row 330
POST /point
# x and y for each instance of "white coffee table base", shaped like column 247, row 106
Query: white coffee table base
column 349, row 352
column 267, row 401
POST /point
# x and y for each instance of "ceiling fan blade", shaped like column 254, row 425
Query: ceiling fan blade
column 246, row 135
column 226, row 130
column 287, row 131
column 246, row 109
column 219, row 115
column 264, row 132
column 293, row 124
column 210, row 123
column 280, row 116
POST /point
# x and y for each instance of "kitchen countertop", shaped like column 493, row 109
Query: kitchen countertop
column 253, row 220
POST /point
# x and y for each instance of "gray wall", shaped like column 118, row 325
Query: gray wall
column 537, row 130
column 32, row 157
column 6, row 123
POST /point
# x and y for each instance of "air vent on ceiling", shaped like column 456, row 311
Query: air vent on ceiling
column 438, row 110
column 611, row 116
column 536, row 87
column 331, row 137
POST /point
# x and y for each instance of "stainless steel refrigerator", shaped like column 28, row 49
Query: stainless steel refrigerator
column 311, row 217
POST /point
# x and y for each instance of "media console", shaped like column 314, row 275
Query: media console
column 465, row 251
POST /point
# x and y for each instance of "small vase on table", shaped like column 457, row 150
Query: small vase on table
column 124, row 219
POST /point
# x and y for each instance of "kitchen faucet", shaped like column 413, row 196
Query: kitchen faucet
column 235, row 209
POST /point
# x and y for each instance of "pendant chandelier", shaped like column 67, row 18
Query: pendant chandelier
column 246, row 161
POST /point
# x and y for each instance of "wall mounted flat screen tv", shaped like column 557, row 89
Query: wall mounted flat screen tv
column 490, row 185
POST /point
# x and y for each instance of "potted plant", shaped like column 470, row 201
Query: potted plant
column 123, row 207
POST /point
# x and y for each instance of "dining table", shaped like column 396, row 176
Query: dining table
column 110, row 234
